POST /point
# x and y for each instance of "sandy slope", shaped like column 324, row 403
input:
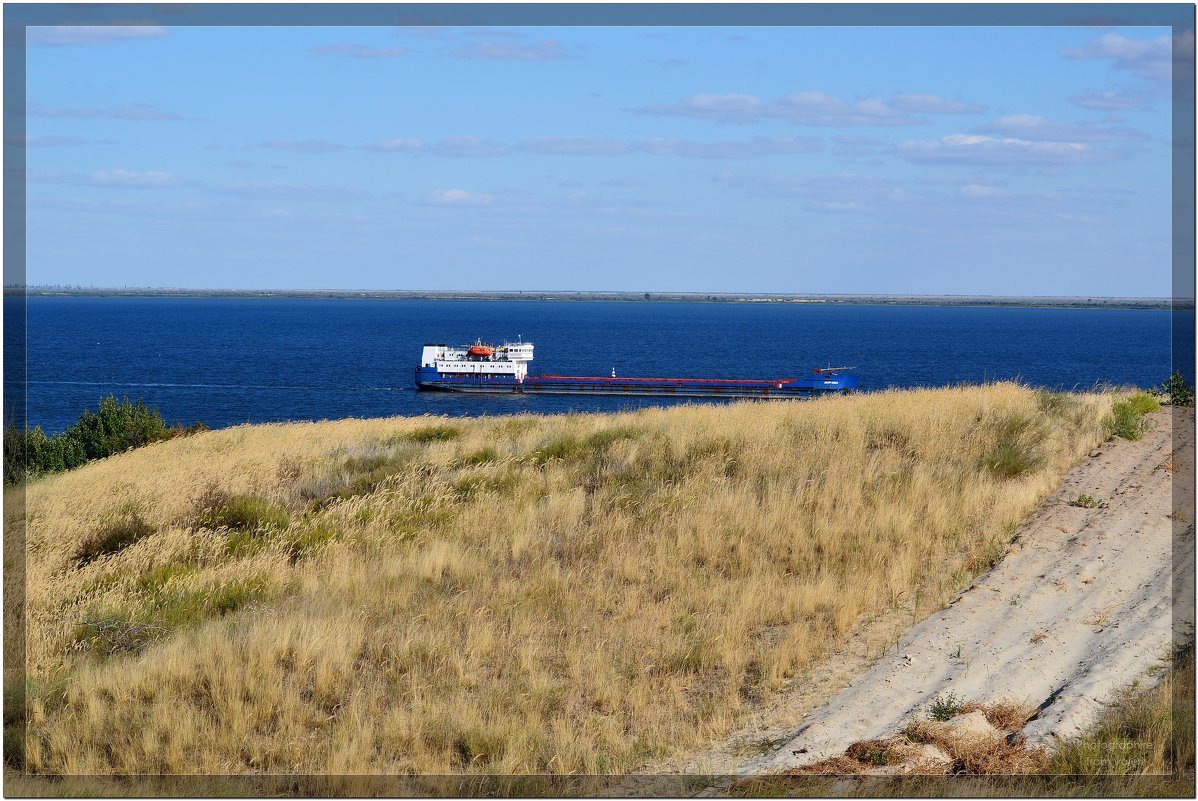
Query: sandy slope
column 1080, row 609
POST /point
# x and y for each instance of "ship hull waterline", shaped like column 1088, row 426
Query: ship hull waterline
column 642, row 389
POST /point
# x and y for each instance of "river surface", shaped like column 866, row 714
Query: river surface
column 236, row 360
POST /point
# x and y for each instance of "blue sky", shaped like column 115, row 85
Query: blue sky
column 1026, row 161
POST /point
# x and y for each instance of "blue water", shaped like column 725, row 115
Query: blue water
column 230, row 361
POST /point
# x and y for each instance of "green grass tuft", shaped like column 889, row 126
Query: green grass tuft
column 482, row 456
column 309, row 541
column 124, row 529
column 610, row 436
column 218, row 509
column 566, row 448
column 154, row 579
column 169, row 607
column 429, row 434
column 1017, row 450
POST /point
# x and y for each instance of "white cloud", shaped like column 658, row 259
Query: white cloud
column 1114, row 99
column 1034, row 128
column 356, row 50
column 980, row 191
column 626, row 183
column 933, row 104
column 728, row 150
column 397, row 146
column 839, row 192
column 467, row 146
column 596, row 146
column 721, row 108
column 458, row 197
column 855, row 146
column 67, row 35
column 142, row 180
column 548, row 50
column 274, row 190
column 1148, row 58
column 34, row 140
column 574, row 146
column 972, row 149
column 107, row 178
column 303, row 145
column 818, row 108
column 141, row 112
column 813, row 108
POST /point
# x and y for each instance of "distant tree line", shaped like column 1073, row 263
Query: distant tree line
column 115, row 427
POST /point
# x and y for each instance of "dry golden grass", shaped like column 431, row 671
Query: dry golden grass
column 959, row 752
column 1005, row 715
column 502, row 595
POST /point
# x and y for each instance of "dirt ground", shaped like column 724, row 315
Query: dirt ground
column 1080, row 608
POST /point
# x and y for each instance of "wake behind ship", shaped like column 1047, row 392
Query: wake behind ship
column 504, row 369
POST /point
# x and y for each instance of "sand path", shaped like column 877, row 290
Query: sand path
column 1079, row 609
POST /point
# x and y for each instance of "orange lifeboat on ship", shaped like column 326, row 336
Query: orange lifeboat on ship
column 479, row 351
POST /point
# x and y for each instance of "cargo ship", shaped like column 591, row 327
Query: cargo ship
column 504, row 369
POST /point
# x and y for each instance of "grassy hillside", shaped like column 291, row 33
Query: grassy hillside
column 502, row 595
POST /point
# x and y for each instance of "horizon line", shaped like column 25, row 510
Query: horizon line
column 640, row 293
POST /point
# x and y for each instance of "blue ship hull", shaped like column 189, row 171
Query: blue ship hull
column 428, row 378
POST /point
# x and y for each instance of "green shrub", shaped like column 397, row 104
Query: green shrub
column 427, row 434
column 121, row 531
column 945, row 707
column 1127, row 416
column 1144, row 403
column 218, row 509
column 1176, row 391
column 479, row 457
column 1086, row 501
column 115, row 427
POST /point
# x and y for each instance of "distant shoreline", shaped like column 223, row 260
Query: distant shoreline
column 1074, row 302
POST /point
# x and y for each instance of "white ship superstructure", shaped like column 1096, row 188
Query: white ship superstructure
column 509, row 360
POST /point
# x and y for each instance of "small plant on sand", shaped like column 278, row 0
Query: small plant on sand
column 1086, row 501
column 1127, row 416
column 945, row 706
